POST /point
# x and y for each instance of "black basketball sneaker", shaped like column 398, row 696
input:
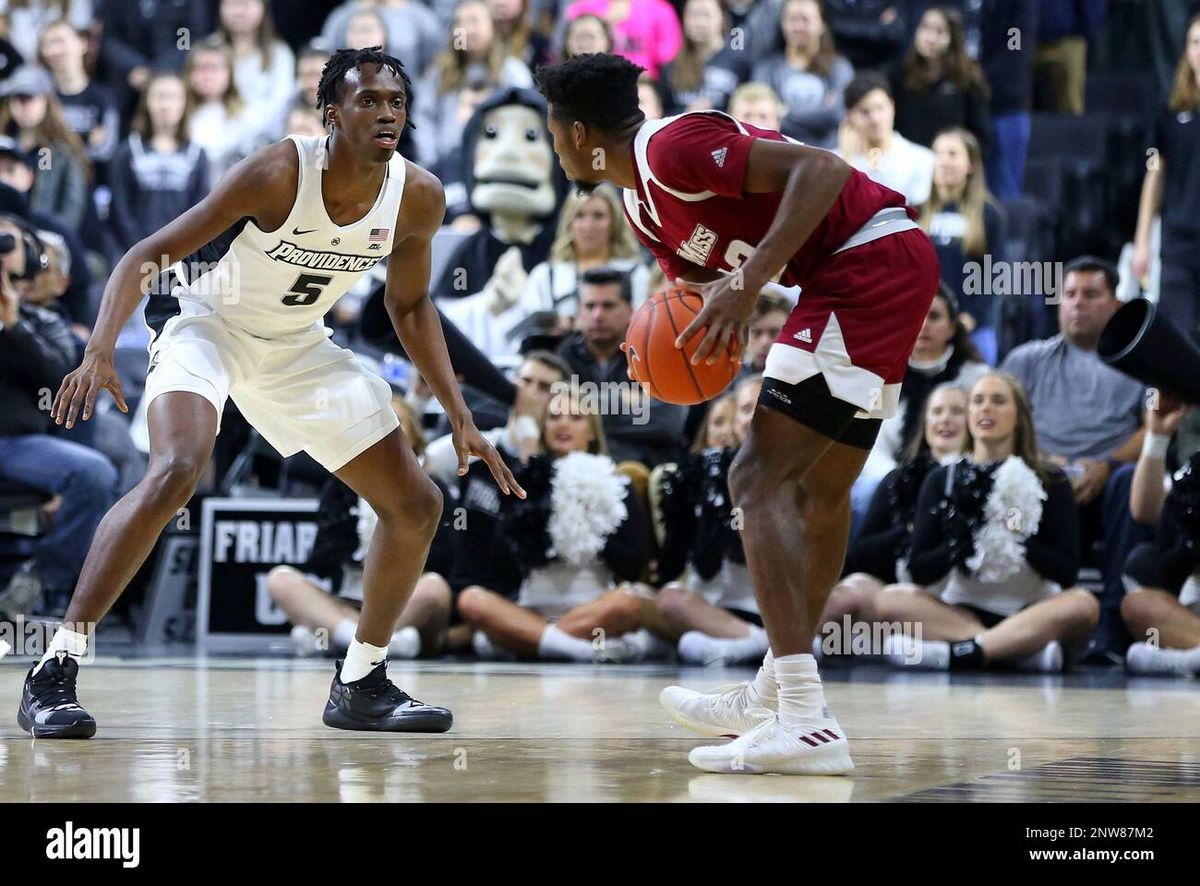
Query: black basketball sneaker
column 49, row 708
column 375, row 704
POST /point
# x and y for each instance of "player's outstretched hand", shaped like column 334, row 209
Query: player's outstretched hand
column 80, row 388
column 468, row 441
column 728, row 304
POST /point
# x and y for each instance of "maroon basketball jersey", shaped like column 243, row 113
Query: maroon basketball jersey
column 689, row 208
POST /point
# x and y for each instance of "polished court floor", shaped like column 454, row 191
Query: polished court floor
column 229, row 729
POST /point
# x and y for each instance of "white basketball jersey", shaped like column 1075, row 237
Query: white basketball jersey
column 283, row 282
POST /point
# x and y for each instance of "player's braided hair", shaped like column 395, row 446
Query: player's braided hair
column 329, row 90
column 597, row 89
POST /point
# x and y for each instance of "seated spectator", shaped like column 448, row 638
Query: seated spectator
column 89, row 108
column 965, row 224
column 264, row 66
column 995, row 551
column 472, row 54
column 706, row 71
column 460, row 215
column 33, row 116
column 758, row 105
column 412, row 32
column 1173, row 138
column 1089, row 422
column 809, row 75
column 36, row 351
column 636, row 427
column 592, row 233
column 707, row 602
column 17, row 178
column 578, row 532
column 770, row 314
column 938, row 85
column 158, row 172
column 515, row 31
column 647, row 32
column 585, row 34
column 869, row 142
column 217, row 122
column 1163, row 604
column 327, row 622
column 28, row 18
column 878, row 555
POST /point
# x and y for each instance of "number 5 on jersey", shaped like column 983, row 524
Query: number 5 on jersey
column 306, row 290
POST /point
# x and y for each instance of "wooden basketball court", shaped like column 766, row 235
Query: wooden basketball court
column 228, row 729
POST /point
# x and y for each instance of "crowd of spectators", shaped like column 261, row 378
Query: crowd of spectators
column 116, row 116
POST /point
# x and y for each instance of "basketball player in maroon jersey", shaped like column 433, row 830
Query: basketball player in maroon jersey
column 726, row 208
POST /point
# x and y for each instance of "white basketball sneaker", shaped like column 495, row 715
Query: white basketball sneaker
column 723, row 712
column 817, row 747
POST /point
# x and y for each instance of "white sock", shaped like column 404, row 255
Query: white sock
column 361, row 659
column 71, row 642
column 764, row 685
column 343, row 634
column 557, row 643
column 801, row 698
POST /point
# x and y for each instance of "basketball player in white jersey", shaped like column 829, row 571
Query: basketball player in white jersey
column 237, row 313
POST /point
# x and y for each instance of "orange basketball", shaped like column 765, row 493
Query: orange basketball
column 663, row 369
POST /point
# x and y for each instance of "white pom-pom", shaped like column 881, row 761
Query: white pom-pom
column 1011, row 514
column 587, row 504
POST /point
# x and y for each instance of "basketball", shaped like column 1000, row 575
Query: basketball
column 663, row 369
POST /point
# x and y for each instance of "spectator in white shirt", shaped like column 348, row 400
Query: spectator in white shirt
column 869, row 142
column 264, row 66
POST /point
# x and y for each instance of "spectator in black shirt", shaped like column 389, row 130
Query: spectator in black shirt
column 1174, row 169
column 706, row 71
column 638, row 428
column 89, row 108
column 36, row 351
column 158, row 173
column 938, row 85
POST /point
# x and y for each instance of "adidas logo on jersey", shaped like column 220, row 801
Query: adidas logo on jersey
column 804, row 335
column 719, row 156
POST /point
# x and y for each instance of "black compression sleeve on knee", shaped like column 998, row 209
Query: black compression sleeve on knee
column 810, row 403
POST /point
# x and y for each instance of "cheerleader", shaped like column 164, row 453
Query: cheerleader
column 576, row 535
column 707, row 603
column 995, row 542
column 880, row 553
column 1164, row 602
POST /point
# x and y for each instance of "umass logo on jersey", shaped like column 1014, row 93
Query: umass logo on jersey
column 292, row 254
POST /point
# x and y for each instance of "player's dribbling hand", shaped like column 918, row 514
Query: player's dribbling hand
column 728, row 304
column 80, row 388
column 469, row 442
